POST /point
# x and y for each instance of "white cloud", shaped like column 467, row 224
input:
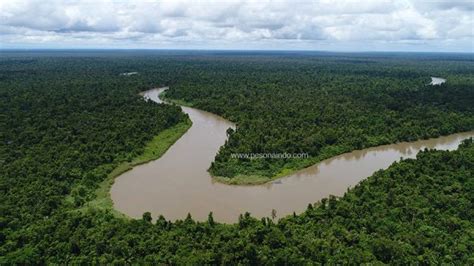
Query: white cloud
column 234, row 24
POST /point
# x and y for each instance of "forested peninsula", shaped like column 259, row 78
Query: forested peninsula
column 325, row 106
column 69, row 118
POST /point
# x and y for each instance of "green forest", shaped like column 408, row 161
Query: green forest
column 326, row 106
column 69, row 118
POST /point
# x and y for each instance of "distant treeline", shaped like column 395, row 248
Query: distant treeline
column 325, row 106
column 67, row 120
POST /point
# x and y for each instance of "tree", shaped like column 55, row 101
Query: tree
column 274, row 214
column 147, row 217
column 210, row 219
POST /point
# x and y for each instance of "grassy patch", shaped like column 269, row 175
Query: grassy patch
column 249, row 180
column 153, row 150
column 161, row 143
column 243, row 180
column 260, row 179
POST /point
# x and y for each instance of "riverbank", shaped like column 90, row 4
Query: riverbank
column 179, row 183
column 254, row 180
column 153, row 150
column 296, row 166
column 334, row 152
column 175, row 101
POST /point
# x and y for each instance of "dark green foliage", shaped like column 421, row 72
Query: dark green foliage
column 325, row 106
column 67, row 120
column 66, row 123
column 417, row 211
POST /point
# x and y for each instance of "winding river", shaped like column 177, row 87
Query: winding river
column 178, row 183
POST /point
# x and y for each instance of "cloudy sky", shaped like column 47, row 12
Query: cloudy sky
column 338, row 25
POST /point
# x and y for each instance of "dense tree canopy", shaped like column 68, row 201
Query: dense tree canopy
column 68, row 118
column 66, row 123
column 325, row 106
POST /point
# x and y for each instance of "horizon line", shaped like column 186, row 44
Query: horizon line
column 231, row 50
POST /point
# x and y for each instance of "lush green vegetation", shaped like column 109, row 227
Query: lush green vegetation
column 67, row 123
column 69, row 119
column 326, row 106
column 152, row 151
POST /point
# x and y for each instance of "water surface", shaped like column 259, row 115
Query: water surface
column 178, row 183
column 437, row 81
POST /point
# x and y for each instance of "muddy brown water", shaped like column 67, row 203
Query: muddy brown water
column 178, row 183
